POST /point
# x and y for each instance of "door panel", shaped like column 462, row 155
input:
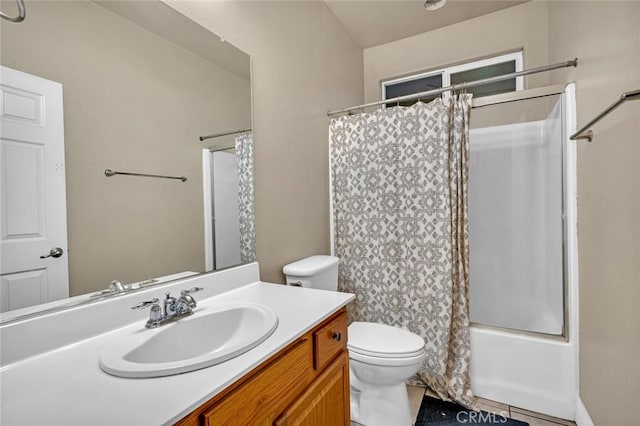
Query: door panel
column 22, row 209
column 21, row 288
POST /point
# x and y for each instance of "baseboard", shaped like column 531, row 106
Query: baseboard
column 582, row 416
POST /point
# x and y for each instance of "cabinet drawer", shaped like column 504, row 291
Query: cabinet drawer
column 329, row 340
column 263, row 397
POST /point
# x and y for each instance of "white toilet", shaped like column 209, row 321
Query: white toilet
column 381, row 357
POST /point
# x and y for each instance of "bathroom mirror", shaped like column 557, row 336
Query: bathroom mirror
column 120, row 88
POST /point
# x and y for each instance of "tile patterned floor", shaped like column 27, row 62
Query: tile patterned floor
column 534, row 419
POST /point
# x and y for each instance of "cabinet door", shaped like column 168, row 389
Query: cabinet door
column 325, row 402
column 263, row 397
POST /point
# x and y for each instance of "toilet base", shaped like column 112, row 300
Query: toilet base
column 380, row 405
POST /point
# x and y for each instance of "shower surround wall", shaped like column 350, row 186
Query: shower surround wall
column 515, row 221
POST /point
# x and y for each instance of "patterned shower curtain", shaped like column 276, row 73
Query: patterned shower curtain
column 399, row 178
column 244, row 156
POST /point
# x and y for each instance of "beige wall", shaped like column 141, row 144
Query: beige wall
column 606, row 38
column 505, row 31
column 133, row 102
column 303, row 64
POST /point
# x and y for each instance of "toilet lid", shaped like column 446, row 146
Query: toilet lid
column 383, row 341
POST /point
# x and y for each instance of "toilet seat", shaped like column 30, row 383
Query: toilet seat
column 387, row 362
column 384, row 354
column 377, row 341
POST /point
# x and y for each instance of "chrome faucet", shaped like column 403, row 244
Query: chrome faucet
column 115, row 287
column 174, row 309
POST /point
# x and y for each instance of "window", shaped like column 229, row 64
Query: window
column 478, row 70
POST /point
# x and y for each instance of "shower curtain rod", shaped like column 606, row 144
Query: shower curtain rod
column 217, row 135
column 459, row 86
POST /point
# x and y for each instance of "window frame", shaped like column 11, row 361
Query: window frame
column 446, row 72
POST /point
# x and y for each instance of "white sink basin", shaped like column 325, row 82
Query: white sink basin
column 209, row 336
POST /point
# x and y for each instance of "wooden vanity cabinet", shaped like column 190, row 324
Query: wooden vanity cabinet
column 306, row 383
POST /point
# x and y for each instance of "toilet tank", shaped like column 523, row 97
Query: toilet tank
column 318, row 271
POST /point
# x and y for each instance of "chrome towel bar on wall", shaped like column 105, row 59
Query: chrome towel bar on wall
column 109, row 173
column 584, row 133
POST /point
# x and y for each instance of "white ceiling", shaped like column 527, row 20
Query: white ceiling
column 372, row 23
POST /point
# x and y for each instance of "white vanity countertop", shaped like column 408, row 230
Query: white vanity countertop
column 67, row 387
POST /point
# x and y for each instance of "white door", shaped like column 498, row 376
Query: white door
column 33, row 201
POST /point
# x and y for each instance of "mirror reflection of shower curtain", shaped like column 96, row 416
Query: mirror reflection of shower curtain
column 515, row 216
column 247, row 216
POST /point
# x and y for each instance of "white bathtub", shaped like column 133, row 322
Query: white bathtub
column 531, row 372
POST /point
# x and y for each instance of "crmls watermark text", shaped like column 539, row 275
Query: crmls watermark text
column 481, row 417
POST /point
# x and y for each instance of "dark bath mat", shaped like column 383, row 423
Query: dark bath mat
column 441, row 413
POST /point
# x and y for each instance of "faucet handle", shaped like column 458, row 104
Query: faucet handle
column 146, row 304
column 191, row 290
column 186, row 303
column 155, row 316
